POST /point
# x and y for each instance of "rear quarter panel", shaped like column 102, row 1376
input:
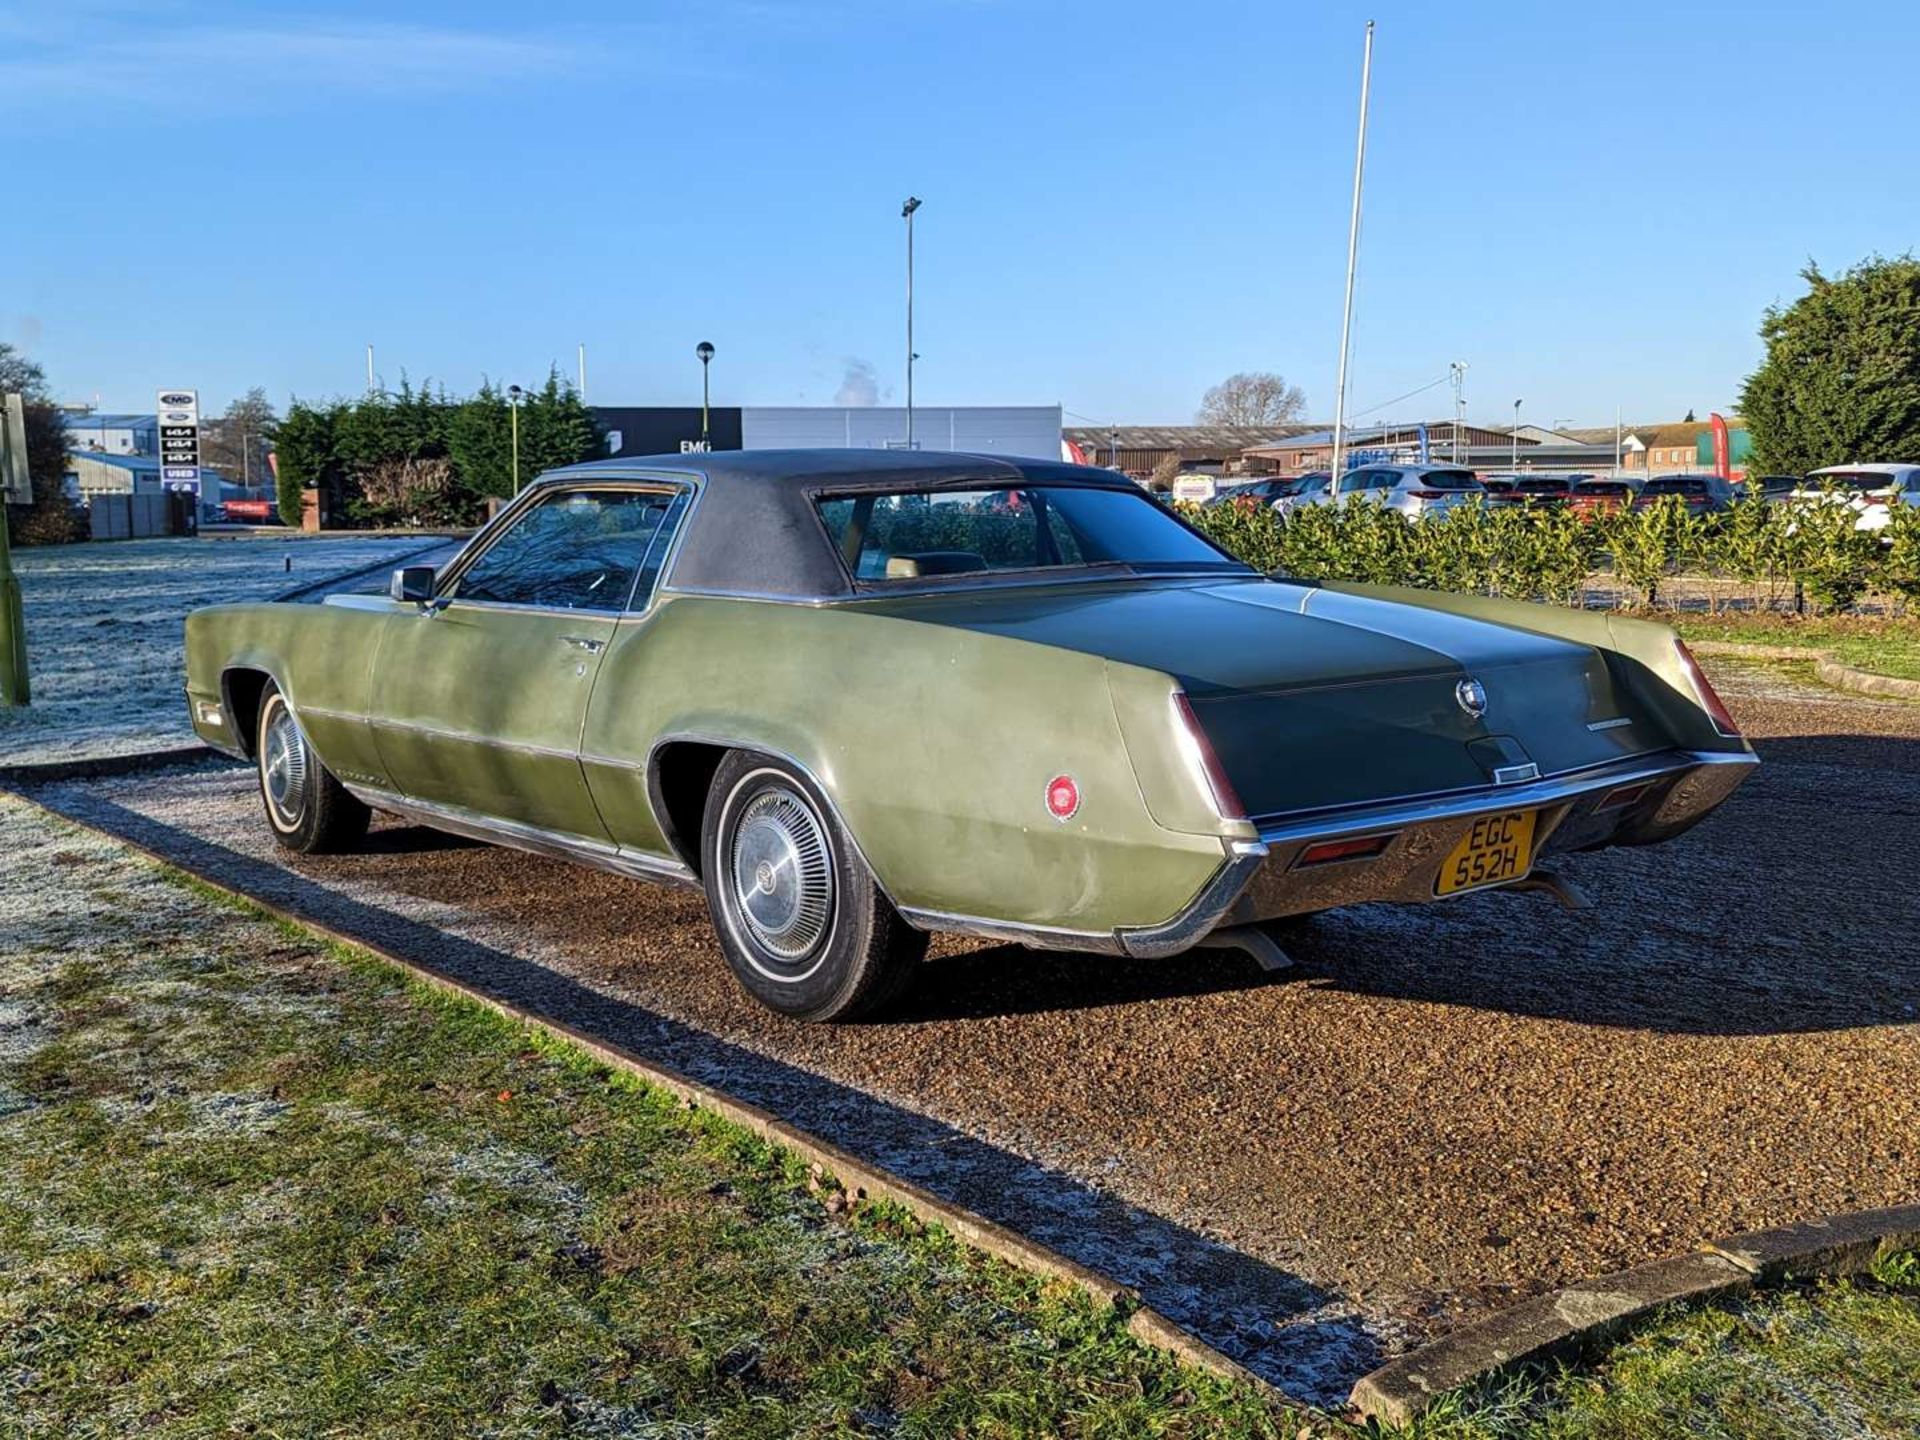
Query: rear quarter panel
column 935, row 744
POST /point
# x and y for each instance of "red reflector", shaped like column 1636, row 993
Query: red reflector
column 1063, row 797
column 1226, row 800
column 1327, row 850
column 1704, row 692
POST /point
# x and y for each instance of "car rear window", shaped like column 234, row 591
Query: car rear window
column 1446, row 480
column 1542, row 487
column 1680, row 486
column 1853, row 479
column 927, row 534
column 1601, row 487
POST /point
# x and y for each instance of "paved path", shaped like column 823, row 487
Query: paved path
column 1443, row 1109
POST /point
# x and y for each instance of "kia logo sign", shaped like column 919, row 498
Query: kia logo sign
column 176, row 397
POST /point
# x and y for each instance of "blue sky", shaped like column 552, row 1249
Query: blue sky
column 1124, row 201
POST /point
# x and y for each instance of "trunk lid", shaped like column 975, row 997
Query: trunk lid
column 1314, row 698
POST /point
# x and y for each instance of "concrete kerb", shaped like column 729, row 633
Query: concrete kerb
column 859, row 1179
column 1575, row 1321
column 1830, row 671
column 43, row 772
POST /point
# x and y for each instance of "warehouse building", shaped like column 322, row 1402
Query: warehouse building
column 1027, row 431
column 1139, row 450
column 114, row 434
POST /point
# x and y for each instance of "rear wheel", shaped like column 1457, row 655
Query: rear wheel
column 308, row 810
column 799, row 917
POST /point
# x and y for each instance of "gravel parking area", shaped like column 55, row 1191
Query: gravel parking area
column 1442, row 1109
column 104, row 633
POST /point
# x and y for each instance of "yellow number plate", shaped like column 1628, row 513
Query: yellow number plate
column 1498, row 848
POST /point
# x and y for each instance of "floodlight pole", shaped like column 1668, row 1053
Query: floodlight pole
column 513, row 409
column 906, row 213
column 1353, row 257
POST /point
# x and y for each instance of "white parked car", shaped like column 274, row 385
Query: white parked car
column 1870, row 489
column 1413, row 490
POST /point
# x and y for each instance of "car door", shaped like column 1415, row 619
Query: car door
column 479, row 696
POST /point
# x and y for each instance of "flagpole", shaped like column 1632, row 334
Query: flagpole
column 1353, row 257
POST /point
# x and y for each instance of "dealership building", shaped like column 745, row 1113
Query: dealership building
column 1029, row 432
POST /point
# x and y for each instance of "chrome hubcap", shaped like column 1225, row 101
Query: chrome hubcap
column 782, row 874
column 283, row 767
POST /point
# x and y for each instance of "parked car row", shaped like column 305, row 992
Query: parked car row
column 1415, row 490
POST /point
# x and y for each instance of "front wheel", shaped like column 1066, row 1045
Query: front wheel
column 309, row 811
column 800, row 919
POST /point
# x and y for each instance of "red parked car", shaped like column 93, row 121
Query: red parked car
column 1600, row 497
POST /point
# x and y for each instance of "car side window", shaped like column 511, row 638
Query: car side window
column 575, row 550
column 673, row 516
column 1356, row 480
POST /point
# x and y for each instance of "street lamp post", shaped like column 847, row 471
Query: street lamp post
column 906, row 213
column 1515, row 437
column 705, row 351
column 514, row 393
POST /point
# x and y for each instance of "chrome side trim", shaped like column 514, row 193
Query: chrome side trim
column 1516, row 774
column 435, row 732
column 1011, row 932
column 1617, row 722
column 1206, row 910
column 458, row 820
column 1203, row 913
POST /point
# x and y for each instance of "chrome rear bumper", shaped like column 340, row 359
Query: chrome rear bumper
column 1263, row 879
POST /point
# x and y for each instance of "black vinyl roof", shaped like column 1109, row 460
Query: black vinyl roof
column 753, row 529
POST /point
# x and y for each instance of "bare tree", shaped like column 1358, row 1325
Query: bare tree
column 1253, row 397
column 1164, row 474
column 236, row 443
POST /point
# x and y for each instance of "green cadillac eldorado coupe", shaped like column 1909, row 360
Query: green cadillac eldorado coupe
column 858, row 696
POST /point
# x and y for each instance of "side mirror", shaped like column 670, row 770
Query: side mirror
column 412, row 582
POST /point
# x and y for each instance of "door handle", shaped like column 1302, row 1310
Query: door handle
column 586, row 643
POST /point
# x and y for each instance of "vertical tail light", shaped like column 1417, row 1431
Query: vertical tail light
column 1704, row 692
column 1199, row 752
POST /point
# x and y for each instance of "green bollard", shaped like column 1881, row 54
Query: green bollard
column 14, row 689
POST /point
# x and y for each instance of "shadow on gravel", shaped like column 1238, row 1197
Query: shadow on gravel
column 1790, row 910
column 1308, row 1341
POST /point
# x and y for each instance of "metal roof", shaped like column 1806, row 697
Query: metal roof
column 118, row 420
column 142, row 463
column 1232, row 438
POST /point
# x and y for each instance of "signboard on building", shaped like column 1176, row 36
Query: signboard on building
column 178, row 412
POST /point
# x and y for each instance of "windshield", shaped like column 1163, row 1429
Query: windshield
column 916, row 534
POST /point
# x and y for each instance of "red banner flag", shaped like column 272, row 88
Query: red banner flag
column 1721, row 463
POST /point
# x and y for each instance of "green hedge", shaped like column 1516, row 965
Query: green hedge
column 1539, row 552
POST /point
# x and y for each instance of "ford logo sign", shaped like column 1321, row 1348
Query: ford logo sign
column 1471, row 696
